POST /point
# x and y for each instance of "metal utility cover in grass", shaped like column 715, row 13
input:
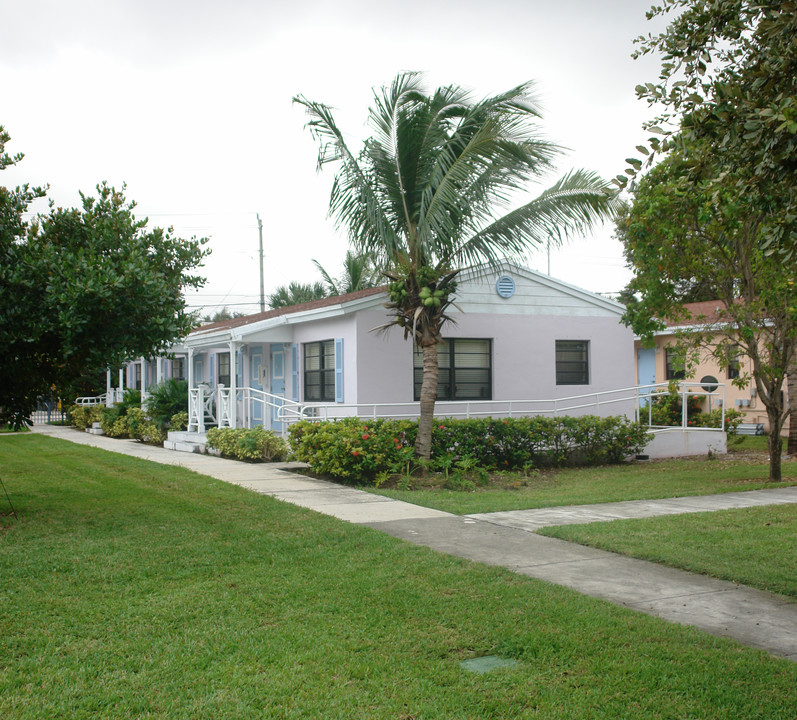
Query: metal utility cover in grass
column 487, row 663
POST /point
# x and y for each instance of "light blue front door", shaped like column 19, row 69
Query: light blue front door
column 277, row 380
column 646, row 367
column 255, row 364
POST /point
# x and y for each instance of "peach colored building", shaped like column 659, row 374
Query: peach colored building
column 657, row 364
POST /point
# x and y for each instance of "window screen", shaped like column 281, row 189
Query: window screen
column 572, row 362
column 465, row 370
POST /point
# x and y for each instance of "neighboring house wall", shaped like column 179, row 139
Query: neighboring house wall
column 742, row 399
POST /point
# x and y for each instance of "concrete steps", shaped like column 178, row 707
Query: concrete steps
column 184, row 441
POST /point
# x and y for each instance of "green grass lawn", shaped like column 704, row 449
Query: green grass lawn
column 744, row 468
column 134, row 590
column 752, row 546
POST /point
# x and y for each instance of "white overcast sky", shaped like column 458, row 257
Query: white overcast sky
column 189, row 103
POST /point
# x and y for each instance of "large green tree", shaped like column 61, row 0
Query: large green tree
column 728, row 91
column 83, row 289
column 681, row 233
column 425, row 196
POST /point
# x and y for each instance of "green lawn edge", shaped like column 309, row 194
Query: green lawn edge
column 751, row 546
column 132, row 589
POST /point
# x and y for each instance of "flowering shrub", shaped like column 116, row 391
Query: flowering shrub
column 366, row 450
column 256, row 443
column 354, row 449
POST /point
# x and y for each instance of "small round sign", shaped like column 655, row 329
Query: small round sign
column 709, row 383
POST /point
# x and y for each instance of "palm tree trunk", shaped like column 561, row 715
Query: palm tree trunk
column 792, row 388
column 423, row 441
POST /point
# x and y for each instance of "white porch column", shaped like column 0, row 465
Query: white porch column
column 233, row 384
column 121, row 391
column 159, row 370
column 190, row 369
column 108, row 389
column 193, row 420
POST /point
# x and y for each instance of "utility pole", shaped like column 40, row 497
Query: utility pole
column 549, row 256
column 262, row 290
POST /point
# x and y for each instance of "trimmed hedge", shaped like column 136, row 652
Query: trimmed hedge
column 83, row 416
column 256, row 443
column 367, row 451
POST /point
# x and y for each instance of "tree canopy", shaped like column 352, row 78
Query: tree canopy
column 728, row 92
column 440, row 185
column 678, row 235
column 81, row 289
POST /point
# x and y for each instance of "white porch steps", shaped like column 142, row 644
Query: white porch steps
column 184, row 441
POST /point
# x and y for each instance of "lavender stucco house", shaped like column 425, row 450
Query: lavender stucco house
column 523, row 343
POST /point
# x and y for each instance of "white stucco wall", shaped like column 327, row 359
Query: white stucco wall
column 524, row 357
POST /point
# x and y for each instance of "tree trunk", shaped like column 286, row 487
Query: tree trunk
column 423, row 442
column 775, row 426
column 792, row 387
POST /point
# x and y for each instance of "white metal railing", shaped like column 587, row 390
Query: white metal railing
column 256, row 404
column 206, row 406
column 685, row 389
column 92, row 399
column 636, row 399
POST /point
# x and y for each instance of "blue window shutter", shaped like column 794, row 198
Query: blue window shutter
column 213, row 382
column 339, row 370
column 166, row 365
column 295, row 372
column 239, row 381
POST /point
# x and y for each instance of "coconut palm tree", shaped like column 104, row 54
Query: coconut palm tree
column 359, row 273
column 422, row 196
column 295, row 293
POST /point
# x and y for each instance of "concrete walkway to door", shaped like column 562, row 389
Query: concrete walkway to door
column 751, row 617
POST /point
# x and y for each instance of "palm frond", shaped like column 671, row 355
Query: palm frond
column 569, row 207
column 354, row 202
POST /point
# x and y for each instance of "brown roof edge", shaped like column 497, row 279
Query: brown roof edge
column 700, row 313
column 290, row 310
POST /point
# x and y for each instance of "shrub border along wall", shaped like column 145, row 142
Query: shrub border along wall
column 366, row 451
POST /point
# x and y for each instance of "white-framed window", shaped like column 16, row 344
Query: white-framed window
column 319, row 371
column 224, row 369
column 464, row 369
column 178, row 368
column 572, row 362
column 674, row 364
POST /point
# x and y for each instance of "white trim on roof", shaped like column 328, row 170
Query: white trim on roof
column 239, row 333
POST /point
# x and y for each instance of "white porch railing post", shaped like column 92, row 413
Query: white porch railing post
column 233, row 390
column 200, row 408
column 683, row 405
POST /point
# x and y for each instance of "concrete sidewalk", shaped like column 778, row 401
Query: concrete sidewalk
column 507, row 539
